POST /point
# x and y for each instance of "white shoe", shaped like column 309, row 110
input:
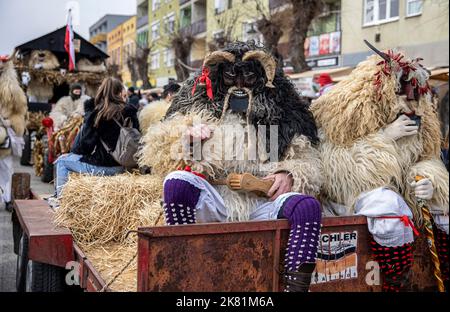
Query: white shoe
column 53, row 201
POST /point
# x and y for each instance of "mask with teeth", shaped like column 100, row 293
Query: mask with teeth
column 243, row 79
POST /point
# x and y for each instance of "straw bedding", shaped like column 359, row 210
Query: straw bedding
column 101, row 210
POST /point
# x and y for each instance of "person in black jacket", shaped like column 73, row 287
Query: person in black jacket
column 101, row 123
column 133, row 98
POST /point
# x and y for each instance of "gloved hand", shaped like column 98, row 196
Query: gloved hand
column 401, row 127
column 423, row 189
column 200, row 132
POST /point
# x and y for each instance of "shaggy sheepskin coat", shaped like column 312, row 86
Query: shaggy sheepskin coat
column 13, row 102
column 163, row 146
column 152, row 113
column 65, row 108
column 358, row 157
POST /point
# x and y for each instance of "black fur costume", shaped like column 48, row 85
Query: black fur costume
column 281, row 105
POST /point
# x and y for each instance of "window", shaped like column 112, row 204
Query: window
column 155, row 60
column 169, row 57
column 169, row 23
column 155, row 30
column 379, row 11
column 156, row 4
column 222, row 5
column 414, row 7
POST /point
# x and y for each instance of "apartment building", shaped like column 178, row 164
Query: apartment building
column 99, row 30
column 418, row 27
column 162, row 21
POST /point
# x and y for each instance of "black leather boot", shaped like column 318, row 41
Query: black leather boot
column 299, row 281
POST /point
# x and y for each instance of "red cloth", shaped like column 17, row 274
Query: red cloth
column 189, row 169
column 406, row 221
column 68, row 42
column 204, row 78
column 324, row 79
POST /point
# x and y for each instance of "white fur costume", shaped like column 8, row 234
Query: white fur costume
column 13, row 109
column 65, row 108
column 360, row 160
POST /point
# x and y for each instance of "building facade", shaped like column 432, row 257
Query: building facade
column 235, row 19
column 163, row 19
column 114, row 46
column 334, row 39
column 129, row 49
column 193, row 20
column 98, row 32
column 418, row 27
column 142, row 23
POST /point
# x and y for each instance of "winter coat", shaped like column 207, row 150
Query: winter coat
column 89, row 145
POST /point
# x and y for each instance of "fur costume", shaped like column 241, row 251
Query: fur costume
column 359, row 159
column 279, row 106
column 13, row 103
column 13, row 109
column 65, row 108
column 39, row 92
column 43, row 59
column 46, row 60
column 93, row 67
column 152, row 114
column 260, row 125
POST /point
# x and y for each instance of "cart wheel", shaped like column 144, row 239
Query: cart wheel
column 41, row 277
column 26, row 152
column 47, row 175
column 22, row 260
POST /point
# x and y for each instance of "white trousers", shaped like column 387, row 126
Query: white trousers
column 6, row 172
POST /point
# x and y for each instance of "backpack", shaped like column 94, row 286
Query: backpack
column 126, row 146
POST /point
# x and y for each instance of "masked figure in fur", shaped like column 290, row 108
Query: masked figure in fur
column 41, row 91
column 379, row 131
column 13, row 110
column 241, row 115
column 68, row 106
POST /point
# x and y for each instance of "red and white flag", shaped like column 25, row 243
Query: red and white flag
column 68, row 42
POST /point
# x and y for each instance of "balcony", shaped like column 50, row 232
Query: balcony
column 142, row 21
column 101, row 37
column 195, row 28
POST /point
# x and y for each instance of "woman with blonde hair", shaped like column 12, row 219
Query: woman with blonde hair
column 104, row 116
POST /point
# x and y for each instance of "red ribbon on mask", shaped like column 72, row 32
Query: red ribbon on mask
column 204, row 78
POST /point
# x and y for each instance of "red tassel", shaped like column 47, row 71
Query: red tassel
column 204, row 78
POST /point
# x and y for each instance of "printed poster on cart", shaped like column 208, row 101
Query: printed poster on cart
column 336, row 257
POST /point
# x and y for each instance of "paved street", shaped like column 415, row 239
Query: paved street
column 7, row 256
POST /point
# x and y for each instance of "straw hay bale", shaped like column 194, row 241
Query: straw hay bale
column 110, row 259
column 99, row 210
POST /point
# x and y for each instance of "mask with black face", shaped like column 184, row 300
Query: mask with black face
column 241, row 79
column 75, row 97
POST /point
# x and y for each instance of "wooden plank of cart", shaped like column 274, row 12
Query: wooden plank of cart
column 241, row 256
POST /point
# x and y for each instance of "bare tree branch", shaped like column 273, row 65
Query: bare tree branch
column 227, row 23
column 270, row 26
column 180, row 40
column 303, row 13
